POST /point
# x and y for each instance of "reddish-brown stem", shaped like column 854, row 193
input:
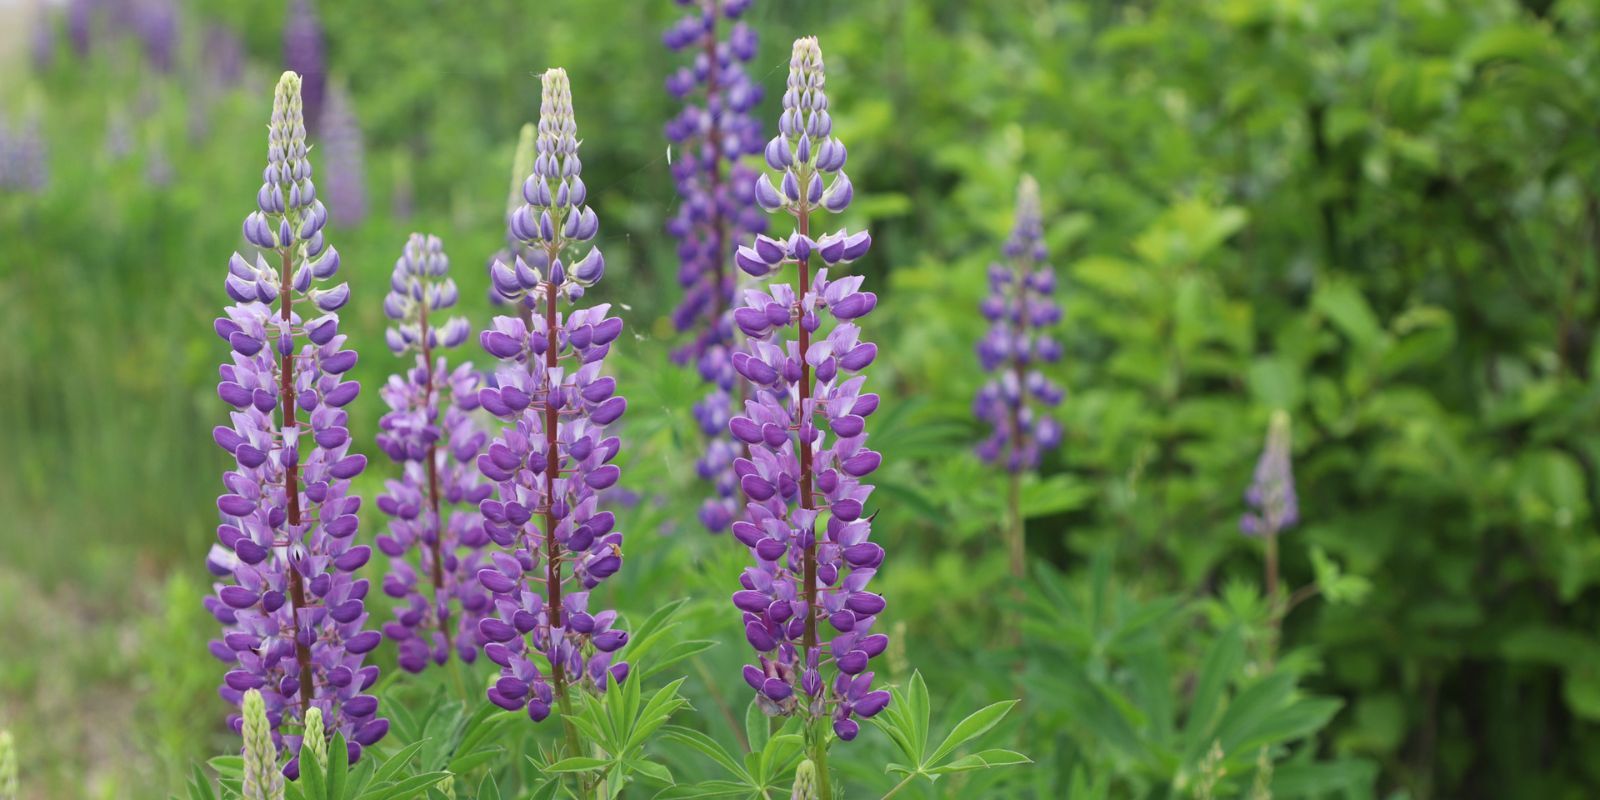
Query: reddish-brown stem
column 291, row 488
column 803, row 427
column 439, row 605
column 552, row 464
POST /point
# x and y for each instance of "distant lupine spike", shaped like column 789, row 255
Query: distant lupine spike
column 42, row 40
column 438, row 473
column 799, row 471
column 23, row 157
column 156, row 24
column 80, row 25
column 711, row 137
column 345, row 156
column 553, row 459
column 521, row 167
column 305, row 52
column 293, row 614
column 1271, row 496
column 224, row 56
column 1020, row 309
column 262, row 779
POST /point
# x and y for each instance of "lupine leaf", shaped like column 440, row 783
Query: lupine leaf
column 650, row 769
column 410, row 787
column 313, row 781
column 338, row 767
column 709, row 747
column 757, row 726
column 676, row 652
column 488, row 789
column 689, row 791
column 1221, row 663
column 981, row 760
column 391, row 768
column 578, row 764
column 976, row 724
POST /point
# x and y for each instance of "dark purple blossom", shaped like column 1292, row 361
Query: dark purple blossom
column 437, row 470
column 1274, row 508
column 1020, row 309
column 803, row 363
column 710, row 138
column 554, row 458
column 292, row 611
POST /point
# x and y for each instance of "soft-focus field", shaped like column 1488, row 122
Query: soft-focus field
column 1379, row 216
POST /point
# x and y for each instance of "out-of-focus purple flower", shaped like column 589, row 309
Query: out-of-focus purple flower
column 554, row 458
column 292, row 611
column 345, row 156
column 305, row 52
column 1274, row 508
column 1020, row 309
column 24, row 161
column 711, row 137
column 80, row 24
column 42, row 40
column 155, row 22
column 437, row 469
column 805, row 425
column 223, row 53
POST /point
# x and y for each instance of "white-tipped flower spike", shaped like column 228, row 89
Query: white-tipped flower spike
column 805, row 781
column 9, row 787
column 806, row 608
column 262, row 778
column 553, row 458
column 316, row 739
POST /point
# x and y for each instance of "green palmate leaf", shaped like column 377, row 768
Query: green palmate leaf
column 578, row 764
column 780, row 756
column 757, row 726
column 396, row 764
column 651, row 770
column 676, row 652
column 981, row 760
column 227, row 766
column 199, row 787
column 975, row 725
column 313, row 781
column 338, row 767
column 406, row 788
column 467, row 763
column 1221, row 663
column 917, row 711
column 687, row 791
column 488, row 789
column 707, row 747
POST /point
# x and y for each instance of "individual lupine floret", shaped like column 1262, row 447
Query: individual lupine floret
column 1020, row 308
column 293, row 614
column 521, row 167
column 553, row 458
column 800, row 471
column 711, row 136
column 261, row 779
column 437, row 470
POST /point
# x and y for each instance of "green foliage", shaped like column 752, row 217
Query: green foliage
column 906, row 723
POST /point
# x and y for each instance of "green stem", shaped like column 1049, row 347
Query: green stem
column 901, row 785
column 817, row 744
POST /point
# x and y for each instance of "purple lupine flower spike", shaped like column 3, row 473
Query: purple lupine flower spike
column 712, row 135
column 293, row 614
column 1274, row 508
column 438, row 473
column 799, row 470
column 553, row 459
column 24, row 160
column 521, row 166
column 1020, row 309
column 345, row 158
column 305, row 52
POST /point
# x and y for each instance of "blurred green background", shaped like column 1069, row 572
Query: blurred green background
column 1382, row 216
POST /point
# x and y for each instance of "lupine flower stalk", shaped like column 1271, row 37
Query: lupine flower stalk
column 712, row 134
column 799, row 470
column 553, row 458
column 293, row 614
column 436, row 452
column 1274, row 507
column 1020, row 308
column 261, row 779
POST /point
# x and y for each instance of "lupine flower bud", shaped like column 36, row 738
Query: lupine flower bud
column 1020, row 309
column 554, row 457
column 710, row 139
column 805, row 428
column 293, row 613
column 438, row 473
column 805, row 781
column 316, row 738
column 262, row 779
column 1271, row 497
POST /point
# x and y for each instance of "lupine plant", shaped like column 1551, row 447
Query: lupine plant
column 712, row 135
column 800, row 473
column 262, row 780
column 553, row 458
column 306, row 53
column 430, row 431
column 293, row 614
column 1271, row 498
column 346, row 159
column 1020, row 309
